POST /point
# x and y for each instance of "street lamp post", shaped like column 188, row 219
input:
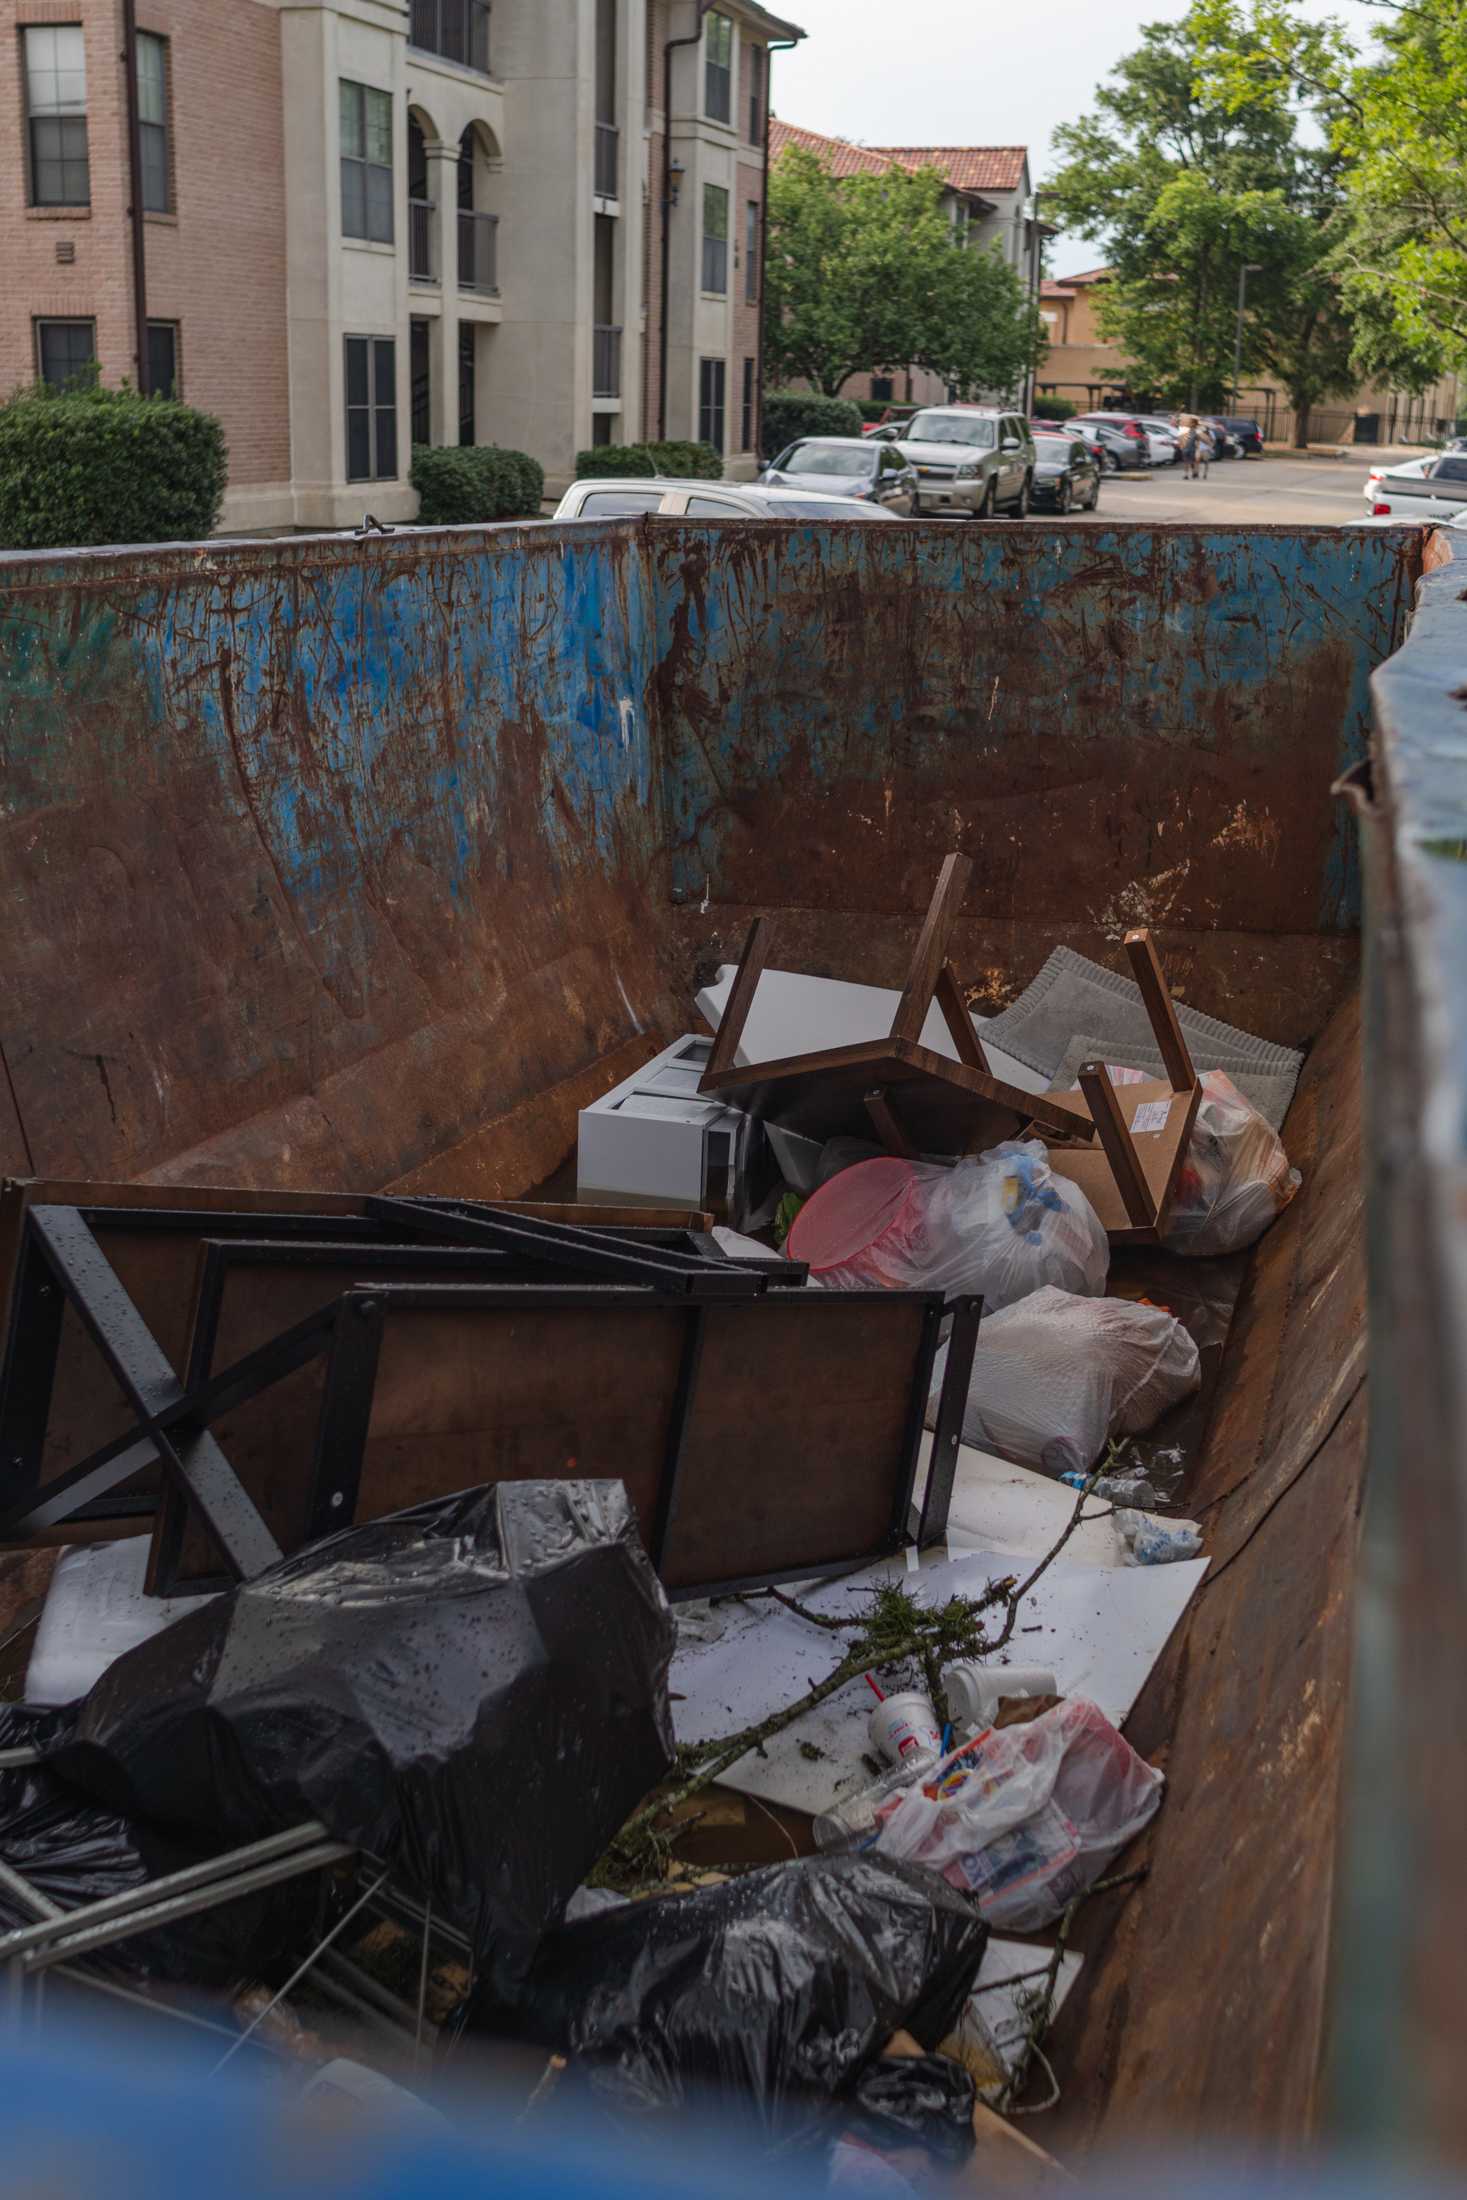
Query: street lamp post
column 1249, row 267
column 1036, row 248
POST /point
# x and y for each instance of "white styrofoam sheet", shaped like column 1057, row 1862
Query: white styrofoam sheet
column 997, row 1506
column 1011, row 1973
column 95, row 1609
column 792, row 1013
column 1098, row 1629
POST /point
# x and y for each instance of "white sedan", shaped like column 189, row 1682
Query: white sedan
column 1418, row 489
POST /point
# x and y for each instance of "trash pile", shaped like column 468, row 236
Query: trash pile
column 662, row 1660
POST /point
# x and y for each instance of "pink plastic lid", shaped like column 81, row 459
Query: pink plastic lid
column 850, row 1212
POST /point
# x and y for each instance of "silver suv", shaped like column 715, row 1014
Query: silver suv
column 968, row 460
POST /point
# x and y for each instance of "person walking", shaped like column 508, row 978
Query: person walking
column 1206, row 448
column 1187, row 444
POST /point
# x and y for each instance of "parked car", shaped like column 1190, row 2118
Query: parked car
column 1166, row 448
column 1419, row 489
column 845, row 466
column 1082, row 432
column 1246, row 434
column 1224, row 442
column 1066, row 477
column 968, row 460
column 1123, row 441
column 706, row 500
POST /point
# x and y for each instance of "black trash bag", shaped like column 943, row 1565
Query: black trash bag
column 474, row 1691
column 915, row 2100
column 766, row 1995
column 75, row 1851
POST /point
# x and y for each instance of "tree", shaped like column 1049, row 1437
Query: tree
column 1185, row 184
column 1397, row 123
column 867, row 274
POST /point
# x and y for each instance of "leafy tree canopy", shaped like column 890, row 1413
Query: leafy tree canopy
column 867, row 274
column 1185, row 182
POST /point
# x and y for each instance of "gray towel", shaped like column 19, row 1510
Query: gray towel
column 1270, row 1090
column 1072, row 995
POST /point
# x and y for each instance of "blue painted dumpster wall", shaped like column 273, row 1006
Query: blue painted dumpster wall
column 334, row 862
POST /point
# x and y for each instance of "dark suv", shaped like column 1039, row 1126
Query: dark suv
column 1246, row 434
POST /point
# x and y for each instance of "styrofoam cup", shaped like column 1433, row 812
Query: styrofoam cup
column 975, row 1691
column 905, row 1726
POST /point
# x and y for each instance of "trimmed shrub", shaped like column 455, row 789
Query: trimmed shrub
column 464, row 487
column 791, row 413
column 1053, row 408
column 639, row 461
column 88, row 465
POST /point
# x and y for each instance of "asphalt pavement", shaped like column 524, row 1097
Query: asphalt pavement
column 1272, row 490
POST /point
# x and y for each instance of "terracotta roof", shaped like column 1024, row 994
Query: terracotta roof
column 839, row 155
column 1091, row 275
column 966, row 167
column 843, row 158
column 1049, row 289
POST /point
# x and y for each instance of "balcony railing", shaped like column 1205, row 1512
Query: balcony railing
column 606, row 362
column 421, row 267
column 478, row 251
column 607, row 136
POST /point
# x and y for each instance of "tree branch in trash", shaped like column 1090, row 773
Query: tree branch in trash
column 894, row 1628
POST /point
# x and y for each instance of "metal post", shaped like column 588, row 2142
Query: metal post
column 1034, row 260
column 1249, row 267
column 135, row 191
column 776, row 45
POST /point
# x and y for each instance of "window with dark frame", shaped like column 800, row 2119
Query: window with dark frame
column 718, row 68
column 456, row 30
column 153, row 123
column 56, row 114
column 754, row 65
column 715, row 239
column 712, row 393
column 162, row 359
column 420, row 383
column 751, row 251
column 468, row 358
column 65, row 350
column 366, row 162
column 746, row 410
column 371, row 408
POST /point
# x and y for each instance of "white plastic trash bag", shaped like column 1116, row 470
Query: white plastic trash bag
column 1001, row 1223
column 1026, row 1817
column 1236, row 1176
column 1056, row 1376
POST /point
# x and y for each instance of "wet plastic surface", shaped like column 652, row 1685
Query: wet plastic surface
column 75, row 1851
column 474, row 1691
column 773, row 1991
column 922, row 2100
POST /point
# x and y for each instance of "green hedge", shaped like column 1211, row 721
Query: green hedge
column 639, row 461
column 88, row 465
column 1053, row 408
column 463, row 487
column 791, row 413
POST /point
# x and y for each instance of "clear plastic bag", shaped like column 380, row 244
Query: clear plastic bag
column 1002, row 1224
column 1055, row 1376
column 1236, row 1178
column 1023, row 1818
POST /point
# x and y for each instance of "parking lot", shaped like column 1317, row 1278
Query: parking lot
column 1273, row 490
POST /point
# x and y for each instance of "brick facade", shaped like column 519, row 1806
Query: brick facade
column 215, row 263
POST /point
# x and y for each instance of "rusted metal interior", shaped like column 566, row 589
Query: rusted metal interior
column 364, row 864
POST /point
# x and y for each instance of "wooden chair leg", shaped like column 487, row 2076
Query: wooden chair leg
column 959, row 1022
column 888, row 1129
column 740, row 999
column 1156, row 996
column 1119, row 1146
column 930, row 952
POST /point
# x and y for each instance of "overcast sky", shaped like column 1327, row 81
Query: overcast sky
column 949, row 72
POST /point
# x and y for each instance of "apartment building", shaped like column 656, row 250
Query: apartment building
column 1084, row 366
column 987, row 196
column 370, row 223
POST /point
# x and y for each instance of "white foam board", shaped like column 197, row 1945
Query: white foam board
column 997, row 1506
column 1012, row 1971
column 1099, row 1630
column 792, row 1013
column 95, row 1609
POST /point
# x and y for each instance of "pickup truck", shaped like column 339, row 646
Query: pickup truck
column 347, row 863
column 1419, row 489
